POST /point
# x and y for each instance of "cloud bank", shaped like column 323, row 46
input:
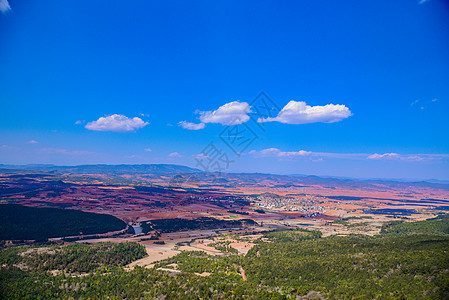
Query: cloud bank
column 116, row 123
column 298, row 112
column 384, row 156
column 277, row 153
column 407, row 157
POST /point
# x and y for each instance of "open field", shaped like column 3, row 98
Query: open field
column 241, row 196
column 332, row 206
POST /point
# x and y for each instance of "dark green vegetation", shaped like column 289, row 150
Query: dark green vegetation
column 75, row 258
column 340, row 222
column 292, row 235
column 358, row 218
column 233, row 211
column 438, row 225
column 223, row 246
column 282, row 265
column 300, row 262
column 29, row 223
column 203, row 223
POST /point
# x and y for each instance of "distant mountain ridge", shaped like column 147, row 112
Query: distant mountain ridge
column 171, row 169
column 104, row 168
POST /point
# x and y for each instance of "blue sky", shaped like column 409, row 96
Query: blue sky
column 374, row 76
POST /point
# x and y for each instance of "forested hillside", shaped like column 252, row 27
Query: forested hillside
column 30, row 223
column 75, row 258
column 436, row 226
column 282, row 265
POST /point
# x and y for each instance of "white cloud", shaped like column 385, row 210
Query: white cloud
column 4, row 6
column 191, row 126
column 384, row 156
column 406, row 157
column 79, row 122
column 318, row 156
column 275, row 152
column 298, row 112
column 117, row 123
column 295, row 112
column 174, row 154
column 148, row 149
column 32, row 142
column 232, row 113
column 201, row 156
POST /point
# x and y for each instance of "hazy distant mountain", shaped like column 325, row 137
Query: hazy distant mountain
column 247, row 179
column 305, row 180
column 135, row 169
column 400, row 183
